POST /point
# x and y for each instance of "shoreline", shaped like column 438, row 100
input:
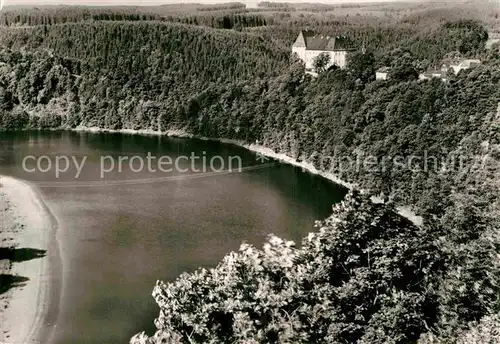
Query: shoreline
column 256, row 148
column 405, row 211
column 32, row 307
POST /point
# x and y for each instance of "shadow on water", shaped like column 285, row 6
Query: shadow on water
column 17, row 255
column 11, row 281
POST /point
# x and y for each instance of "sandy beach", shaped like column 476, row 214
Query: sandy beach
column 29, row 297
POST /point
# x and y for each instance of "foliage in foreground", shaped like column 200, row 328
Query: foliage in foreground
column 367, row 276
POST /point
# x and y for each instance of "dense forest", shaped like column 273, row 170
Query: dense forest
column 368, row 275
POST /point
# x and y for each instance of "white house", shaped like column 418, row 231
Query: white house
column 308, row 46
column 449, row 65
column 465, row 64
column 382, row 73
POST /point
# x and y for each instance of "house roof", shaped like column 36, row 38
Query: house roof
column 466, row 63
column 322, row 42
column 383, row 70
column 470, row 63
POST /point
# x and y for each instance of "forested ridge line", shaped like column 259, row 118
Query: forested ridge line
column 222, row 16
column 368, row 275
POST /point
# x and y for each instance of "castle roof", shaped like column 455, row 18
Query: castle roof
column 313, row 41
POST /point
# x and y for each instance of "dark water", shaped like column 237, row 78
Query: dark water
column 120, row 233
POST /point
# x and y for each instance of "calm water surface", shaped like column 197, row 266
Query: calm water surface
column 121, row 233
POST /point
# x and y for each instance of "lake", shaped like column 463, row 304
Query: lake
column 126, row 220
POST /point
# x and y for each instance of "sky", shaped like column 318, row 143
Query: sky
column 157, row 2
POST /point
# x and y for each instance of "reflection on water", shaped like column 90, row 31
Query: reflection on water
column 118, row 236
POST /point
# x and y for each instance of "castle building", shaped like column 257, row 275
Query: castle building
column 309, row 45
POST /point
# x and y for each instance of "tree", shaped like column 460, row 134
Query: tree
column 14, row 120
column 403, row 68
column 362, row 66
column 321, row 62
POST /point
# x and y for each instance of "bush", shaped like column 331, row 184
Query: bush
column 14, row 120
